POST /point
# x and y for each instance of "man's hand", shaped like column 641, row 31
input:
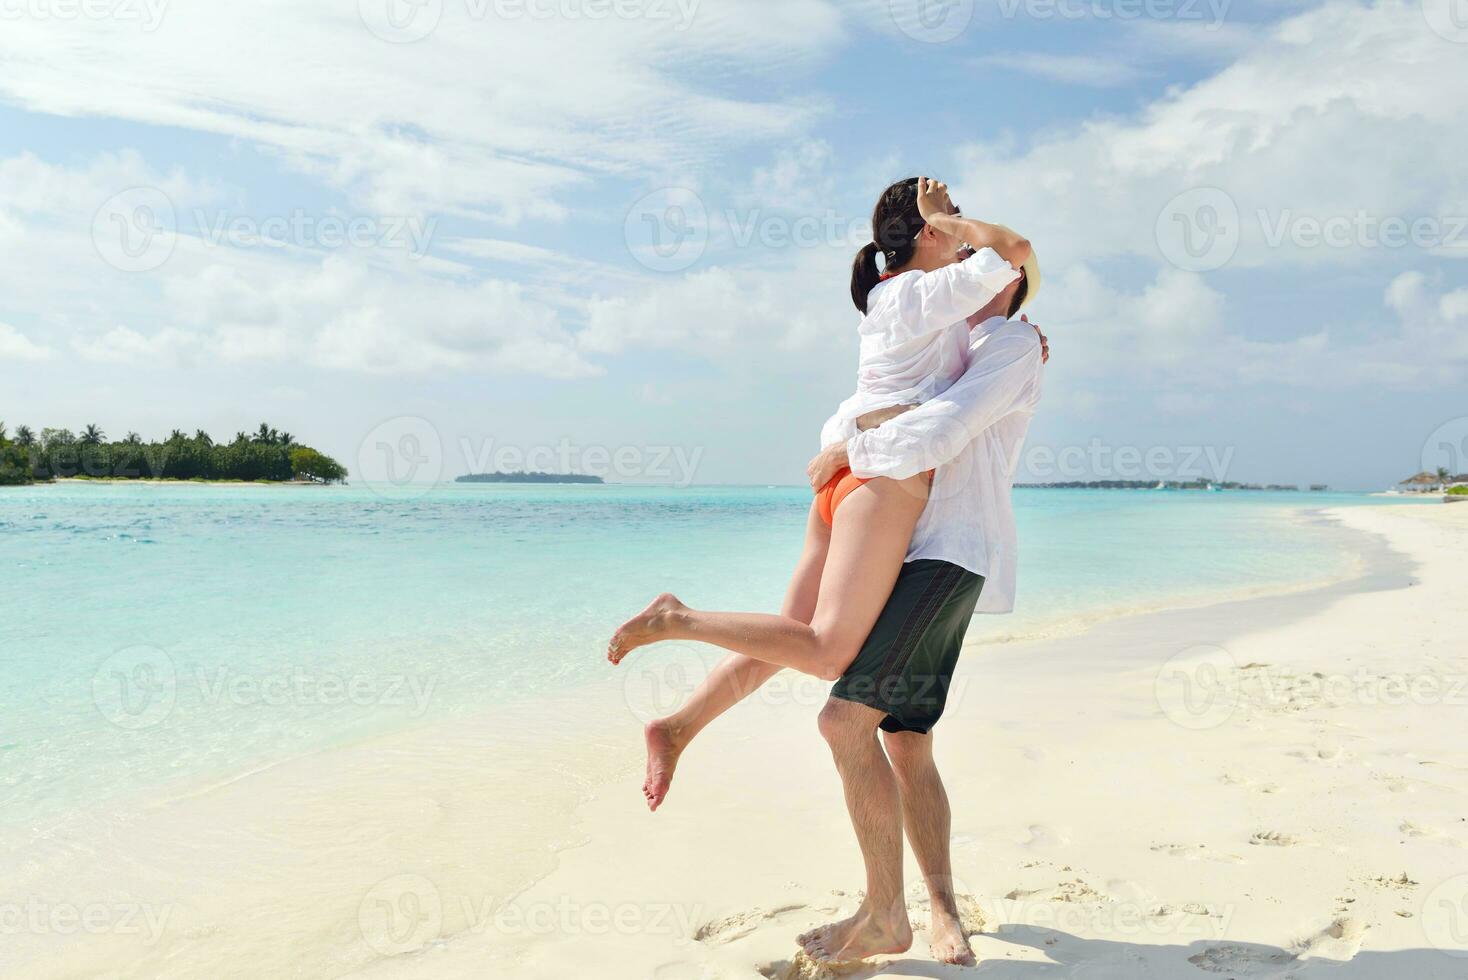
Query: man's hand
column 826, row 465
column 1044, row 340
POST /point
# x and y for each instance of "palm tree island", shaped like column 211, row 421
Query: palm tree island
column 267, row 456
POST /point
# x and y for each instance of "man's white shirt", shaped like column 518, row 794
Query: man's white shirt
column 973, row 435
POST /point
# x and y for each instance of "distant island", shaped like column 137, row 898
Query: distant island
column 267, row 456
column 528, row 478
column 1205, row 485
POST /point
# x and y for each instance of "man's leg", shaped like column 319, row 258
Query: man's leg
column 928, row 821
column 872, row 798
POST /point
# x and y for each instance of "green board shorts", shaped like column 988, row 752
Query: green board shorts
column 906, row 665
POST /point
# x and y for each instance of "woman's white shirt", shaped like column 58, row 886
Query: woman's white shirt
column 914, row 336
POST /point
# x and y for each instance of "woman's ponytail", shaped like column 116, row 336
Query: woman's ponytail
column 864, row 274
column 896, row 223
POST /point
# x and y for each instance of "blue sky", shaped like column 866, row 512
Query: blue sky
column 621, row 231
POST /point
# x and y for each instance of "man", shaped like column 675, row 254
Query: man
column 962, row 559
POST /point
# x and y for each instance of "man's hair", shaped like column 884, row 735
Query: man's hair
column 1019, row 296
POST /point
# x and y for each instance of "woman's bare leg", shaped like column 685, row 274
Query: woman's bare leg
column 874, row 526
column 736, row 676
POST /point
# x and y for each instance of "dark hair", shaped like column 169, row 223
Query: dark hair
column 1019, row 297
column 895, row 223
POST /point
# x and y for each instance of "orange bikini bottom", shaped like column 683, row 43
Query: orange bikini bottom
column 829, row 497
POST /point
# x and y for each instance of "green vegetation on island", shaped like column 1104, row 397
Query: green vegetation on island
column 529, row 478
column 268, row 456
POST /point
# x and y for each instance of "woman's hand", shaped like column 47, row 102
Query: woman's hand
column 826, row 465
column 932, row 198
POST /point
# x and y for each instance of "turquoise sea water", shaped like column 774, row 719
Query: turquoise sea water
column 158, row 636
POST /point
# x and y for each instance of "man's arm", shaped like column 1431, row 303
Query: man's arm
column 998, row 382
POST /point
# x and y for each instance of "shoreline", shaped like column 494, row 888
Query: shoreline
column 1301, row 833
column 163, row 482
column 347, row 838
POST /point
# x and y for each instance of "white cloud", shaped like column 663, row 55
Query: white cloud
column 1339, row 110
column 734, row 315
column 371, row 309
column 493, row 115
column 14, row 345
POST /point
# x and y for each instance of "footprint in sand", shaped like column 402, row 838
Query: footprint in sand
column 1232, row 779
column 1429, row 832
column 1275, row 838
column 735, row 927
column 1196, row 852
column 1396, row 784
column 1043, row 836
column 1241, row 959
column 1338, row 942
column 1329, row 754
column 1074, row 891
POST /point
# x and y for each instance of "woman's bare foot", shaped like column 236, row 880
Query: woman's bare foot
column 646, row 627
column 864, row 935
column 947, row 941
column 663, row 749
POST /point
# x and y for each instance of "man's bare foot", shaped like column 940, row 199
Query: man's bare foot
column 646, row 627
column 663, row 749
column 863, row 935
column 947, row 941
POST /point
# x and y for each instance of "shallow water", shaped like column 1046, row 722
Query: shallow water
column 161, row 637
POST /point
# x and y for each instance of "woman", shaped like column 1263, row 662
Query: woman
column 914, row 342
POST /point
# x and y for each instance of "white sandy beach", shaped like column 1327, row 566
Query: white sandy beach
column 1275, row 787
